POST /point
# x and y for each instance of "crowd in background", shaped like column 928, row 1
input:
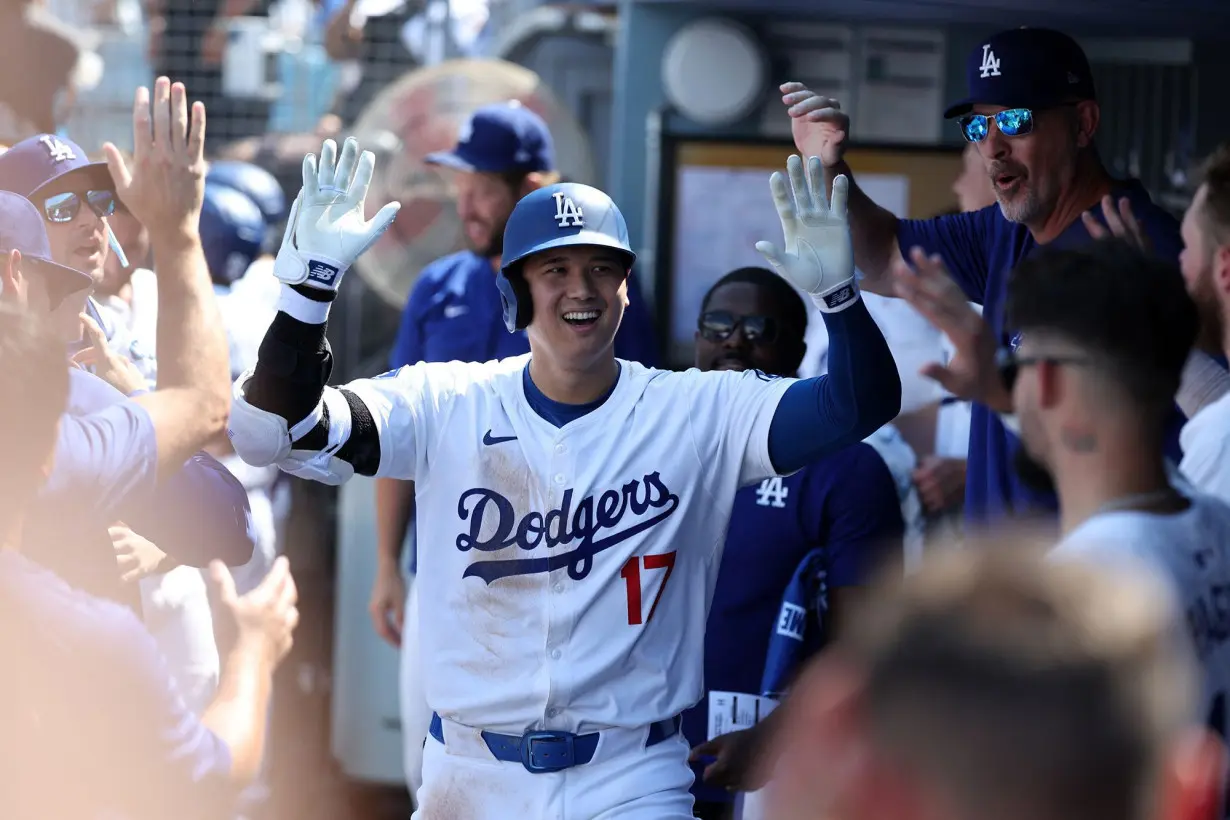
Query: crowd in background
column 1084, row 400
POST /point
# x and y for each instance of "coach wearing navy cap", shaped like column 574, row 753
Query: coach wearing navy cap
column 1032, row 113
column 504, row 151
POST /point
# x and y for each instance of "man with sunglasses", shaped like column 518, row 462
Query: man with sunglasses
column 75, row 196
column 798, row 545
column 1032, row 113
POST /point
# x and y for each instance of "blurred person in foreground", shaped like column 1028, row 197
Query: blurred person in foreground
column 830, row 526
column 93, row 725
column 1033, row 114
column 139, row 536
column 504, row 152
column 1104, row 335
column 997, row 684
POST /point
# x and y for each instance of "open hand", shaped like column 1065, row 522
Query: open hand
column 136, row 557
column 1120, row 223
column 819, row 126
column 818, row 257
column 972, row 373
column 109, row 365
column 941, row 483
column 166, row 183
column 266, row 617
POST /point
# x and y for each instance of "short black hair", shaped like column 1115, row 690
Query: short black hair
column 783, row 294
column 1128, row 308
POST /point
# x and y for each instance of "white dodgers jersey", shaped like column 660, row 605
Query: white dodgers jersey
column 565, row 574
column 1192, row 549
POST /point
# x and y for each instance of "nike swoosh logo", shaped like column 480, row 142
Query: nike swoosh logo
column 453, row 311
column 489, row 439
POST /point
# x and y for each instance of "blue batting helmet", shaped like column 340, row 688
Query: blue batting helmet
column 253, row 181
column 232, row 233
column 561, row 215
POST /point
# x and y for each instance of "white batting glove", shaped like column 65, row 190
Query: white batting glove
column 818, row 256
column 326, row 232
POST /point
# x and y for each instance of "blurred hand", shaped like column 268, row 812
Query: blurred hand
column 940, row 483
column 166, row 183
column 820, row 128
column 1120, row 223
column 136, row 557
column 740, row 763
column 972, row 373
column 388, row 605
column 108, row 365
column 267, row 616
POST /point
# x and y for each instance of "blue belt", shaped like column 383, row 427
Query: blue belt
column 541, row 752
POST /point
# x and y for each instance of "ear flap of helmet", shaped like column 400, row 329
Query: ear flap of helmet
column 515, row 299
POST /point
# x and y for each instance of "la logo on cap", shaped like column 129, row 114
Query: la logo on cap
column 57, row 148
column 567, row 213
column 466, row 131
column 990, row 63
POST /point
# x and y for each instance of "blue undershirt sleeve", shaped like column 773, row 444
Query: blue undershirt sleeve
column 859, row 395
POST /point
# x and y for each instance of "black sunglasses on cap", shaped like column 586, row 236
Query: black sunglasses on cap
column 720, row 325
column 64, row 207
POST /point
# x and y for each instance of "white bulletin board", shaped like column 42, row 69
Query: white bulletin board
column 721, row 206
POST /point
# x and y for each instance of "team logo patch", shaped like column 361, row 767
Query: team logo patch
column 990, row 63
column 59, row 150
column 567, row 213
column 321, row 272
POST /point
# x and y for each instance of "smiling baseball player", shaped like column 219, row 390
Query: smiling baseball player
column 573, row 506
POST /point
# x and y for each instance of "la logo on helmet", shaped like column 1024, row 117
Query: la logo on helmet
column 990, row 63
column 567, row 214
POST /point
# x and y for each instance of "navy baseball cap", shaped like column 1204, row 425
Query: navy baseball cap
column 22, row 229
column 1034, row 68
column 500, row 138
column 37, row 162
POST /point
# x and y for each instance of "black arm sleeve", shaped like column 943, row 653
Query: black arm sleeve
column 292, row 370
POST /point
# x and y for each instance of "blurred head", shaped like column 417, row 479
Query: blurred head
column 1104, row 333
column 232, row 233
column 504, row 151
column 29, row 279
column 751, row 319
column 972, row 186
column 994, row 683
column 33, row 396
column 564, row 276
column 1032, row 115
column 74, row 195
column 260, row 186
column 1205, row 259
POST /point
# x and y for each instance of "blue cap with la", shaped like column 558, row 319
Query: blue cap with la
column 1035, row 68
column 498, row 139
column 41, row 163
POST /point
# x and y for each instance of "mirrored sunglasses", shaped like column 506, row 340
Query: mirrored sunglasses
column 720, row 325
column 65, row 207
column 1014, row 122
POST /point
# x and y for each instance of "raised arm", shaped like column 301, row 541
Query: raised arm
column 862, row 390
column 821, row 129
column 163, row 190
column 284, row 412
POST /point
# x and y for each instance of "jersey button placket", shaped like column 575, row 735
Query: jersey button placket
column 557, row 628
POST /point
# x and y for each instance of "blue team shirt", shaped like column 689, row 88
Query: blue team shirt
column 980, row 249
column 454, row 314
column 104, row 471
column 845, row 503
column 93, row 725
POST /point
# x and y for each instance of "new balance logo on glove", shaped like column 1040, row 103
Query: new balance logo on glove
column 321, row 272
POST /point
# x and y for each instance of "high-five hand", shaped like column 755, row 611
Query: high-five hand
column 327, row 231
column 818, row 256
column 819, row 126
column 166, row 184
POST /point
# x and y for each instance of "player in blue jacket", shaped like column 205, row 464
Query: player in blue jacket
column 798, row 546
